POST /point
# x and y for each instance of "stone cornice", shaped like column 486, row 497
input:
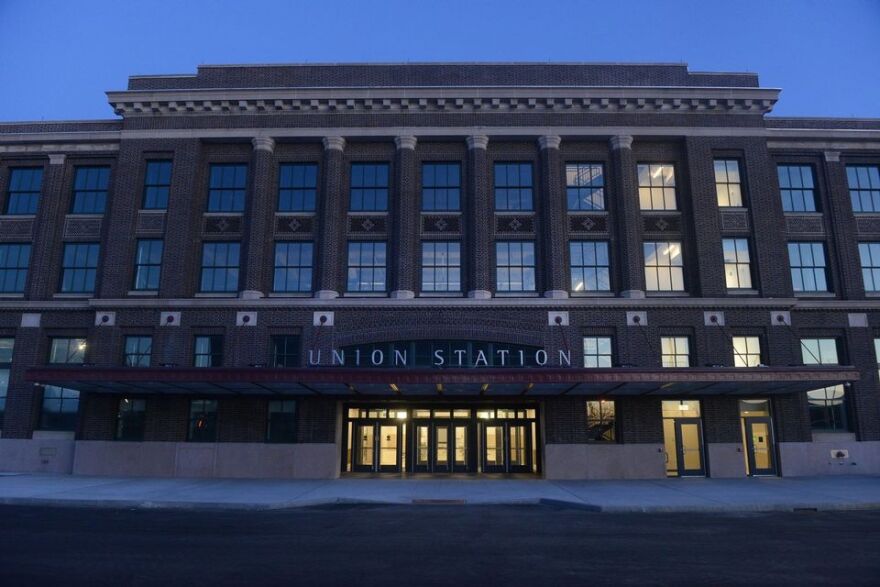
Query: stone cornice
column 445, row 99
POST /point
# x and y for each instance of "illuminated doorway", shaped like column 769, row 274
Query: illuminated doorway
column 683, row 438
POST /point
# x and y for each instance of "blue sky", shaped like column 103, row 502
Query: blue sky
column 58, row 57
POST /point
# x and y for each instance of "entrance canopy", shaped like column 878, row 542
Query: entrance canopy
column 334, row 381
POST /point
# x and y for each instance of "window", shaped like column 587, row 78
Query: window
column 60, row 405
column 656, row 186
column 597, row 352
column 220, row 267
column 797, row 188
column 585, row 186
column 25, row 184
column 202, row 420
column 293, row 267
column 208, row 351
column 675, row 351
column 808, row 270
column 601, row 421
column 369, row 187
column 285, row 351
column 90, row 190
column 589, row 266
column 14, row 261
column 664, row 268
column 869, row 253
column 728, row 186
column 157, row 182
column 746, row 351
column 138, row 350
column 79, row 267
column 513, row 186
column 441, row 187
column 514, row 266
column 441, row 266
column 282, row 423
column 6, row 346
column 737, row 263
column 828, row 404
column 148, row 265
column 864, row 187
column 67, row 351
column 227, row 188
column 297, row 187
column 130, row 419
column 366, row 266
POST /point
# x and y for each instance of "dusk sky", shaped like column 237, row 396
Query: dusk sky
column 60, row 56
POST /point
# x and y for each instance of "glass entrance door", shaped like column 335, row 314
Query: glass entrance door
column 493, row 448
column 442, row 447
column 389, row 447
column 364, row 437
column 683, row 438
column 759, row 446
column 507, row 447
column 376, row 447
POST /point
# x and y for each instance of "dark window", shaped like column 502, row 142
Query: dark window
column 728, row 185
column 157, row 182
column 24, row 190
column 366, row 266
column 148, row 265
column 441, row 266
column 208, row 351
column 797, row 188
column 220, row 267
column 90, row 190
column 737, row 263
column 79, row 267
column 514, row 266
column 293, row 267
column 664, row 267
column 827, row 405
column 285, row 351
column 513, row 186
column 202, row 420
column 441, row 187
column 130, row 419
column 14, row 261
column 864, row 187
column 808, row 269
column 601, row 421
column 59, row 408
column 657, row 186
column 297, row 187
column 282, row 423
column 6, row 346
column 585, row 186
column 227, row 188
column 138, row 350
column 590, row 268
column 597, row 352
column 869, row 253
column 369, row 187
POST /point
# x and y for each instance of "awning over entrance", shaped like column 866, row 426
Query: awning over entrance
column 444, row 382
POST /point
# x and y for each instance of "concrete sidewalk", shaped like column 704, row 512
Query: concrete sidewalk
column 667, row 495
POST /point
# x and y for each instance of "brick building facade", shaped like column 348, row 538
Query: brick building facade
column 566, row 270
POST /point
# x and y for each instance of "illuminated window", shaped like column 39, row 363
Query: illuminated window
column 601, row 421
column 656, row 186
column 864, row 187
column 514, row 266
column 737, row 263
column 14, row 261
column 513, row 186
column 67, row 351
column 157, row 183
column 585, row 186
column 202, row 420
column 746, row 351
column 597, row 352
column 369, row 187
column 797, row 188
column 441, row 266
column 664, row 267
column 869, row 253
column 728, row 186
column 441, row 187
column 25, row 184
column 589, row 266
column 366, row 266
column 90, row 186
column 808, row 268
column 675, row 351
column 297, row 187
column 226, row 188
column 131, row 419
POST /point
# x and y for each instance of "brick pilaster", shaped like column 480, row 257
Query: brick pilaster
column 625, row 209
column 332, row 222
column 405, row 220
column 554, row 225
column 258, row 218
column 479, row 215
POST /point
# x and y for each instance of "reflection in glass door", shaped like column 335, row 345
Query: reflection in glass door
column 422, row 447
column 365, row 447
column 493, row 448
column 518, row 448
column 460, row 449
column 441, row 448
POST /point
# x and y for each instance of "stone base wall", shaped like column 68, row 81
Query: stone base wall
column 597, row 461
column 40, row 455
column 820, row 457
column 726, row 460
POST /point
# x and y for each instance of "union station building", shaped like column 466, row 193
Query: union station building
column 569, row 271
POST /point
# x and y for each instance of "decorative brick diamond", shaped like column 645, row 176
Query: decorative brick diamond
column 588, row 223
column 222, row 224
column 294, row 225
column 368, row 225
column 515, row 224
column 441, row 224
column 662, row 224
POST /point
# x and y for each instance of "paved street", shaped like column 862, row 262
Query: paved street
column 434, row 545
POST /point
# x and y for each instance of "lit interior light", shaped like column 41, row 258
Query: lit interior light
column 394, row 388
column 657, row 173
column 401, row 415
column 579, row 286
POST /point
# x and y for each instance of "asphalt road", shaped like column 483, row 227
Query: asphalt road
column 434, row 545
